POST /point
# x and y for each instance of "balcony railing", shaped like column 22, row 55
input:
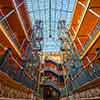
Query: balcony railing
column 84, row 77
column 18, row 75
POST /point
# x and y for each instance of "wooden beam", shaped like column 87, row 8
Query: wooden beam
column 81, row 20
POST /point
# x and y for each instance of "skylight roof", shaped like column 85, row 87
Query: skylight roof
column 50, row 12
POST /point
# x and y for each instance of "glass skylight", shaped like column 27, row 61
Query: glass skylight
column 50, row 12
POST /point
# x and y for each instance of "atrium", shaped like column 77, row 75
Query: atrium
column 49, row 49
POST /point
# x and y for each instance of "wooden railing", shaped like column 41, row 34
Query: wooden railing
column 12, row 89
column 89, row 91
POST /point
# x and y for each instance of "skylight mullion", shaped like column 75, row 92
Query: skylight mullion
column 68, row 2
column 55, row 15
column 49, row 17
column 38, row 8
column 61, row 9
column 33, row 10
column 45, row 14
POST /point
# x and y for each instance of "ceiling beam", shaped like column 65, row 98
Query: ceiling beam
column 91, row 44
column 81, row 20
